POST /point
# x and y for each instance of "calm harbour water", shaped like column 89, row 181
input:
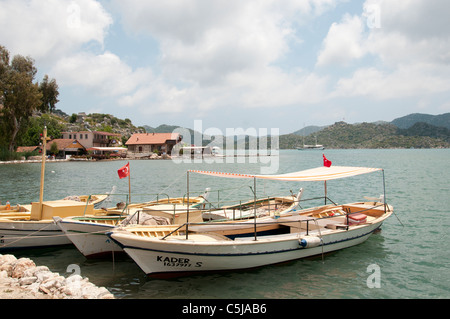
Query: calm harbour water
column 411, row 251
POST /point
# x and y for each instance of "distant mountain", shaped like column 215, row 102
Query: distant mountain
column 411, row 131
column 405, row 122
column 425, row 129
column 309, row 130
column 342, row 135
column 164, row 128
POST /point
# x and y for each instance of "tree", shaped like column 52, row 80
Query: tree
column 54, row 149
column 19, row 96
column 50, row 94
column 30, row 136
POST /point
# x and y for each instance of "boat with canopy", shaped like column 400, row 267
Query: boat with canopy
column 88, row 233
column 165, row 251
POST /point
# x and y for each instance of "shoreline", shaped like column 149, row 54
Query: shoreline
column 153, row 158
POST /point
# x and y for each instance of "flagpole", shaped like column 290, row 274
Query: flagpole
column 129, row 184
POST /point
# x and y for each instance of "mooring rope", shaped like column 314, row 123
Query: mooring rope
column 16, row 239
column 29, row 235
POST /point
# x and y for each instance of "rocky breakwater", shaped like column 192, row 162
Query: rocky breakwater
column 22, row 279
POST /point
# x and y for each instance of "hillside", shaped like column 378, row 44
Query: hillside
column 309, row 130
column 405, row 122
column 370, row 135
column 58, row 122
column 379, row 134
column 412, row 131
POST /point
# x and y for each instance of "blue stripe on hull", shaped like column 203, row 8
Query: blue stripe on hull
column 246, row 254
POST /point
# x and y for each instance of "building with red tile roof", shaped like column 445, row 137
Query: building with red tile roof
column 66, row 147
column 161, row 143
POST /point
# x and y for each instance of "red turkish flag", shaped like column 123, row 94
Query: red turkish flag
column 124, row 171
column 326, row 162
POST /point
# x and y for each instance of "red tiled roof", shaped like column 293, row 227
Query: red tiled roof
column 64, row 144
column 22, row 149
column 151, row 138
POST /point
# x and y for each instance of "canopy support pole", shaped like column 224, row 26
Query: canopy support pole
column 187, row 210
column 384, row 192
column 254, row 196
column 325, row 185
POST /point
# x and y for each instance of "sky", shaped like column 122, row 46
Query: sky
column 282, row 64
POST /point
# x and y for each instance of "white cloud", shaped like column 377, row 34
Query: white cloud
column 234, row 54
column 103, row 74
column 49, row 29
column 205, row 41
column 410, row 53
column 343, row 43
column 217, row 54
column 405, row 81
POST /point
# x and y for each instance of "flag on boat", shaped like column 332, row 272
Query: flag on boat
column 326, row 162
column 124, row 171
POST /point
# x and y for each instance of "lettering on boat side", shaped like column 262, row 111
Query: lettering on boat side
column 177, row 262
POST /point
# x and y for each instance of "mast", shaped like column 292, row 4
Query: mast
column 44, row 152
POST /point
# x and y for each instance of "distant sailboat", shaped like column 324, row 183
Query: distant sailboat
column 311, row 147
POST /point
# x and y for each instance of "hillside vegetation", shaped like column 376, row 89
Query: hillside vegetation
column 414, row 131
column 370, row 135
column 59, row 122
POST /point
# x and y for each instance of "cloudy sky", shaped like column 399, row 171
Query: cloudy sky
column 238, row 63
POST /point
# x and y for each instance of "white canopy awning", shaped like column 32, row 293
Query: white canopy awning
column 314, row 174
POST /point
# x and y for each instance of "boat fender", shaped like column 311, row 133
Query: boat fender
column 309, row 241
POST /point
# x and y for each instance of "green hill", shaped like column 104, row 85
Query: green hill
column 59, row 122
column 412, row 131
column 405, row 122
column 371, row 135
column 309, row 130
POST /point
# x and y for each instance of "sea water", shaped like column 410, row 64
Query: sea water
column 408, row 258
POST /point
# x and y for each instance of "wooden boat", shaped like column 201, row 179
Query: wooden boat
column 32, row 225
column 163, row 251
column 36, row 228
column 87, row 232
column 271, row 206
column 96, row 200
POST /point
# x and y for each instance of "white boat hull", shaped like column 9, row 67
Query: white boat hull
column 16, row 235
column 90, row 238
column 162, row 258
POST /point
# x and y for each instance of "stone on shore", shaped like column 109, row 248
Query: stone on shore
column 22, row 279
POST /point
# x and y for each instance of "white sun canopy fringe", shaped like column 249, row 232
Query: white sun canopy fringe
column 314, row 174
